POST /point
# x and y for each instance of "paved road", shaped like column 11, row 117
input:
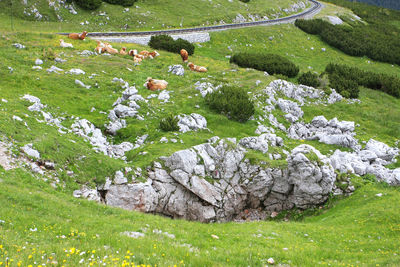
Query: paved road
column 315, row 8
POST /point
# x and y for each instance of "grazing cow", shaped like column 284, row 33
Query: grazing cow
column 184, row 55
column 196, row 68
column 153, row 84
column 64, row 44
column 123, row 51
column 78, row 36
column 153, row 54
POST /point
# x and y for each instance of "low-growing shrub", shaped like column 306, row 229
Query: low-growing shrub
column 124, row 3
column 376, row 81
column 377, row 41
column 88, row 4
column 169, row 123
column 271, row 63
column 231, row 101
column 310, row 79
column 347, row 88
column 167, row 43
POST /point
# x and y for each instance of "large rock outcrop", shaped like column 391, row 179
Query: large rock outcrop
column 216, row 182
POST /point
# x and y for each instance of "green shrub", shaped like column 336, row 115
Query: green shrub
column 231, row 101
column 167, row 43
column 245, row 1
column 347, row 88
column 377, row 41
column 169, row 123
column 124, row 3
column 88, row 4
column 271, row 63
column 376, row 81
column 310, row 79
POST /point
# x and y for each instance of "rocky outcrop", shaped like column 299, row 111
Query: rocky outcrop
column 371, row 160
column 333, row 132
column 192, row 122
column 216, row 182
column 177, row 70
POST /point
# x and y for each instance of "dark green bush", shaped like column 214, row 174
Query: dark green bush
column 347, row 88
column 167, row 43
column 377, row 41
column 376, row 81
column 310, row 79
column 124, row 3
column 88, row 4
column 231, row 101
column 245, row 1
column 169, row 123
column 271, row 63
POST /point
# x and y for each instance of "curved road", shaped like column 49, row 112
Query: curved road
column 316, row 7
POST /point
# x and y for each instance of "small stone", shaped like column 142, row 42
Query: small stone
column 379, row 195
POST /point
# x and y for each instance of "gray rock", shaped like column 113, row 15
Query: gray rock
column 382, row 150
column 54, row 69
column 87, row 193
column 19, row 46
column 177, row 70
column 133, row 234
column 29, row 151
column 78, row 82
column 185, row 160
column 192, row 122
column 38, row 62
column 119, row 178
column 122, row 111
column 290, row 107
column 140, row 197
column 75, row 71
column 312, row 181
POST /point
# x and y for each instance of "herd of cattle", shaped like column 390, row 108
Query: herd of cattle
column 151, row 84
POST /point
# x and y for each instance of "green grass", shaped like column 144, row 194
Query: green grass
column 150, row 14
column 362, row 230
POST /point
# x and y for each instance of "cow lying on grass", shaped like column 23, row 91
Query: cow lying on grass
column 78, row 36
column 196, row 68
column 64, row 44
column 153, row 84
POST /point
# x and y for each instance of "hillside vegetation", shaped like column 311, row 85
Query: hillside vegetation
column 40, row 221
column 143, row 15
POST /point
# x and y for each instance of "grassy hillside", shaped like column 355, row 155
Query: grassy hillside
column 41, row 224
column 143, row 15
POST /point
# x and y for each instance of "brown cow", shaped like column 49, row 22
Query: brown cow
column 110, row 49
column 78, row 36
column 184, row 55
column 153, row 54
column 123, row 51
column 153, row 84
column 196, row 68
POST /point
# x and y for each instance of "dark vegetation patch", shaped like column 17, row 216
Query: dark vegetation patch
column 345, row 78
column 271, row 63
column 232, row 102
column 167, row 43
